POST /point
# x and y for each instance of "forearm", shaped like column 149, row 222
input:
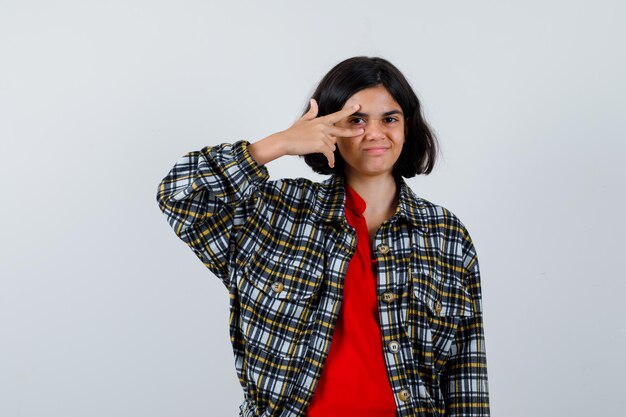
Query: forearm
column 464, row 381
column 267, row 149
column 205, row 198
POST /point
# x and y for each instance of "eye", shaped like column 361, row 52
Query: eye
column 391, row 119
column 355, row 118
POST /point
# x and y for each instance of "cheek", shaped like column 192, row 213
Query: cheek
column 347, row 149
column 401, row 136
column 399, row 145
column 348, row 144
column 341, row 148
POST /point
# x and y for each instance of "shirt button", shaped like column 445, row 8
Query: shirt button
column 382, row 248
column 393, row 346
column 277, row 286
column 404, row 394
column 438, row 307
column 388, row 297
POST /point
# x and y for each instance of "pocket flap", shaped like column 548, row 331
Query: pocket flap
column 287, row 280
column 448, row 298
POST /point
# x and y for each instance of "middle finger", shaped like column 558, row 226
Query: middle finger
column 339, row 115
column 346, row 131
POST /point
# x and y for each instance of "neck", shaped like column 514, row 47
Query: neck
column 379, row 192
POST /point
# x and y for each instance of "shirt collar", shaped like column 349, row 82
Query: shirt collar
column 353, row 200
column 331, row 200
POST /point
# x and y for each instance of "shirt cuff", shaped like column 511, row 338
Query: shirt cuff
column 255, row 173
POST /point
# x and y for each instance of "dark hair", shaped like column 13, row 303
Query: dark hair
column 360, row 72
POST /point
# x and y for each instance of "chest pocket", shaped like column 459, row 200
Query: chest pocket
column 447, row 298
column 277, row 298
column 436, row 308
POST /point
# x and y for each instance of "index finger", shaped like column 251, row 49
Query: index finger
column 338, row 115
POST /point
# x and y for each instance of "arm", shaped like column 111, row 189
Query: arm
column 209, row 194
column 464, row 380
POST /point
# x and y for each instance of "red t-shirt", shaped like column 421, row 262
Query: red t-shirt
column 354, row 380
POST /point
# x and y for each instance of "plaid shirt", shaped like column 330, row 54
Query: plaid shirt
column 282, row 247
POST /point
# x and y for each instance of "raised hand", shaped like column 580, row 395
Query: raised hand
column 312, row 134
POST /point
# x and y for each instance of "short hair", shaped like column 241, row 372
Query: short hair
column 357, row 73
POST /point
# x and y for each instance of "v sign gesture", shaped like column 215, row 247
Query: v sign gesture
column 312, row 134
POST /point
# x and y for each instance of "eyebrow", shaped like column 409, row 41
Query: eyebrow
column 389, row 113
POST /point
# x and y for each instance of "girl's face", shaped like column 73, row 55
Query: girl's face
column 376, row 150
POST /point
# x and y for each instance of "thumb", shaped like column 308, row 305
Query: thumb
column 312, row 113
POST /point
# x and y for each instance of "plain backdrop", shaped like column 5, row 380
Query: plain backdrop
column 105, row 313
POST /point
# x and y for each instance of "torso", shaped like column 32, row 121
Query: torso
column 374, row 222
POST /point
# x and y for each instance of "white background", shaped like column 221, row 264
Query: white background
column 104, row 312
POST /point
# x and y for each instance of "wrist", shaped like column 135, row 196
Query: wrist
column 267, row 149
column 280, row 143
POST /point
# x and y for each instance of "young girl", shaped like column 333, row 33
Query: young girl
column 348, row 297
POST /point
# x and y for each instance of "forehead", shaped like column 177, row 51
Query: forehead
column 373, row 99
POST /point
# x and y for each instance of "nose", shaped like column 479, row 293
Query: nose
column 374, row 129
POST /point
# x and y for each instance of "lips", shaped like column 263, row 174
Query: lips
column 375, row 150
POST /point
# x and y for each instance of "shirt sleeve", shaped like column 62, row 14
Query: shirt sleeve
column 207, row 195
column 464, row 380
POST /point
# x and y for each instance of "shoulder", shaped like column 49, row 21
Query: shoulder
column 288, row 195
column 441, row 218
column 447, row 225
column 289, row 188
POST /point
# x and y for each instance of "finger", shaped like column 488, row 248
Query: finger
column 330, row 141
column 312, row 113
column 330, row 155
column 328, row 149
column 345, row 131
column 338, row 115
